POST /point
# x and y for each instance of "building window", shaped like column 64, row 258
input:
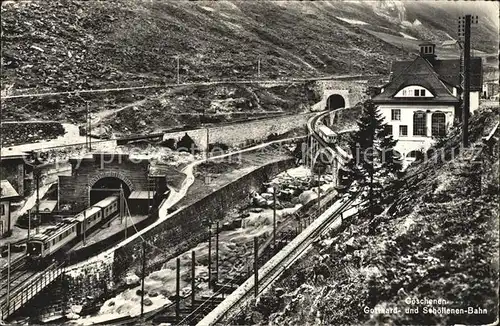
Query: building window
column 3, row 209
column 419, row 124
column 403, row 130
column 396, row 114
column 419, row 92
column 390, row 129
column 438, row 124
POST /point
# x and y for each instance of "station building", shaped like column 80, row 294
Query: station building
column 421, row 101
column 7, row 194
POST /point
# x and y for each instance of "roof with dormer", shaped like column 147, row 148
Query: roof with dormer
column 449, row 70
column 418, row 72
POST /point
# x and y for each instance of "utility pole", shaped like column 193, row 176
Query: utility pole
column 193, row 277
column 143, row 275
column 121, row 203
column 29, row 224
column 217, row 252
column 86, row 125
column 210, row 257
column 149, row 186
column 89, row 126
column 178, row 290
column 38, row 200
column 8, row 276
column 319, row 189
column 466, row 103
column 178, row 70
column 464, row 30
column 84, row 225
column 256, row 265
column 258, row 68
column 274, row 218
column 208, row 143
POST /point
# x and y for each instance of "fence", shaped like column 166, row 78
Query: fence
column 29, row 289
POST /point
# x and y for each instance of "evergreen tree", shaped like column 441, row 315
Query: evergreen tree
column 374, row 164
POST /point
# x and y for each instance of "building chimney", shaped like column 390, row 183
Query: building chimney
column 428, row 51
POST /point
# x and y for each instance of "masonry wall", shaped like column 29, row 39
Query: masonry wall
column 186, row 228
column 352, row 91
column 73, row 189
column 240, row 134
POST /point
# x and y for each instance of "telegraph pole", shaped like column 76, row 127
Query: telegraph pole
column 84, row 225
column 256, row 265
column 177, row 289
column 319, row 190
column 466, row 106
column 258, row 68
column 143, row 275
column 274, row 217
column 178, row 69
column 86, row 125
column 29, row 224
column 210, row 257
column 464, row 30
column 193, row 277
column 217, row 252
column 89, row 126
column 8, row 276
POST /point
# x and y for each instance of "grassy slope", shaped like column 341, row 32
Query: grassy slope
column 440, row 242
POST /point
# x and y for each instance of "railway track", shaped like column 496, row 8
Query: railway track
column 275, row 267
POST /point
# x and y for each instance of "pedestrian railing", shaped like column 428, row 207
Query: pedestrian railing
column 19, row 296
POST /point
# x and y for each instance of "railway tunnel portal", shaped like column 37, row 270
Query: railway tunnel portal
column 98, row 176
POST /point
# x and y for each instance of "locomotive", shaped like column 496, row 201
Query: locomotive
column 69, row 230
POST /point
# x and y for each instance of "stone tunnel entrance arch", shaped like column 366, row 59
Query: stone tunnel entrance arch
column 107, row 184
column 106, row 187
column 335, row 101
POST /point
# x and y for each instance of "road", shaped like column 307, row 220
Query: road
column 215, row 82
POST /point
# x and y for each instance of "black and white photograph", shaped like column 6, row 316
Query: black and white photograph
column 249, row 162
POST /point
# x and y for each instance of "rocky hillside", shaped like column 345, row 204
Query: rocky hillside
column 53, row 46
column 438, row 241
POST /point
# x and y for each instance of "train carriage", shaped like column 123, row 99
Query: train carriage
column 92, row 216
column 109, row 206
column 52, row 240
column 327, row 134
column 56, row 237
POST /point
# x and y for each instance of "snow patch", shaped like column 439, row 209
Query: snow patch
column 352, row 21
column 407, row 36
column 207, row 8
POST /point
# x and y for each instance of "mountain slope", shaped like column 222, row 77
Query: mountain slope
column 55, row 46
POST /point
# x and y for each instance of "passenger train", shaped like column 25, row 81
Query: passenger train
column 70, row 229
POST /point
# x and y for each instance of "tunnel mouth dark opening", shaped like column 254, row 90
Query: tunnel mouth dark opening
column 106, row 187
column 335, row 101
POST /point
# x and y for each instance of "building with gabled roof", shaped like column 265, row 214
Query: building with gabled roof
column 7, row 194
column 421, row 100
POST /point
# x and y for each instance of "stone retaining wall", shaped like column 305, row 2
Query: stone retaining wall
column 186, row 228
column 239, row 134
